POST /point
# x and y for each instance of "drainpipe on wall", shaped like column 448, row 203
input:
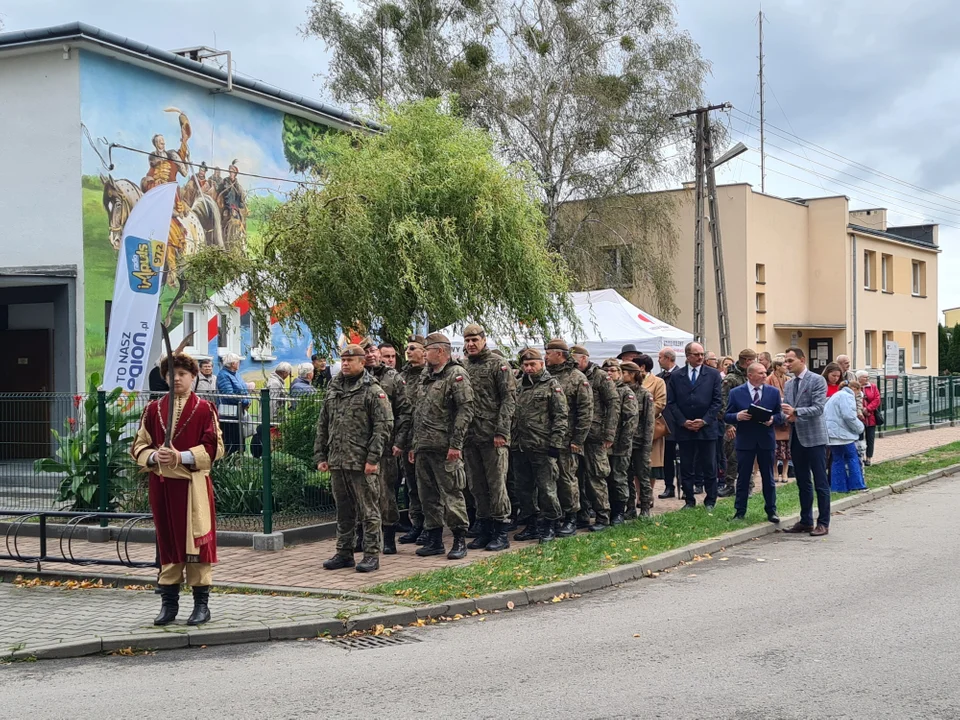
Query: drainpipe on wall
column 853, row 253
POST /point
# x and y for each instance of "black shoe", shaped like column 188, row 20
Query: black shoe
column 515, row 522
column 739, row 516
column 169, row 604
column 422, row 540
column 698, row 489
column 433, row 543
column 475, row 528
column 358, row 548
column 368, row 564
column 709, row 507
column 389, row 541
column 546, row 531
column 568, row 526
column 583, row 520
column 500, row 539
column 631, row 514
column 668, row 493
column 459, row 549
column 600, row 525
column 689, row 504
column 483, row 537
column 774, row 518
column 645, row 512
column 338, row 562
column 726, row 491
column 530, row 532
column 790, row 472
column 616, row 514
column 411, row 536
column 201, row 610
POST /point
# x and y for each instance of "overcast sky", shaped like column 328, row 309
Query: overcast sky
column 870, row 80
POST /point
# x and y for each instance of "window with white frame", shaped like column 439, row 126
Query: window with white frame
column 919, row 279
column 261, row 344
column 918, row 343
column 193, row 324
column 869, row 339
column 869, row 259
column 886, row 262
column 228, row 331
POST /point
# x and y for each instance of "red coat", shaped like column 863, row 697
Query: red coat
column 871, row 403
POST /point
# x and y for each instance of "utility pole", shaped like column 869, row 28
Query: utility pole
column 723, row 319
column 699, row 322
column 763, row 155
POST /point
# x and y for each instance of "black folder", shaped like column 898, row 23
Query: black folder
column 759, row 414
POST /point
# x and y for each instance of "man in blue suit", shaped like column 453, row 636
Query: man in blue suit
column 692, row 411
column 755, row 438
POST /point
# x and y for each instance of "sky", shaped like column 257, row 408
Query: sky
column 872, row 82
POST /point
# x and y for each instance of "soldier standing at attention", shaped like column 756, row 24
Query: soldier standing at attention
column 619, row 479
column 539, row 433
column 603, row 431
column 443, row 415
column 396, row 445
column 579, row 399
column 354, row 424
column 412, row 373
column 735, row 377
column 641, row 484
column 488, row 439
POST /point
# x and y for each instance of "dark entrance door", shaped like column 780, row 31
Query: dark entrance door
column 25, row 364
column 820, row 354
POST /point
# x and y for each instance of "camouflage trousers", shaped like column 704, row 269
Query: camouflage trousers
column 619, row 479
column 486, row 467
column 440, row 485
column 415, row 509
column 536, row 477
column 358, row 502
column 568, row 486
column 389, row 470
column 640, row 469
column 596, row 468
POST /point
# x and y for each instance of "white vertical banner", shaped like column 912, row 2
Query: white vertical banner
column 137, row 287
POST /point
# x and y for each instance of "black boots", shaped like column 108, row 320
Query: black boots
column 169, row 604
column 389, row 543
column 583, row 519
column 370, row 563
column 616, row 514
column 530, row 532
column 546, row 531
column 459, row 549
column 433, row 544
column 201, row 613
column 359, row 546
column 474, row 529
column 499, row 540
column 515, row 521
column 338, row 562
column 411, row 537
column 483, row 536
column 568, row 526
column 600, row 524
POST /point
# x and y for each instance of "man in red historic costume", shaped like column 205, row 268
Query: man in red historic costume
column 181, row 494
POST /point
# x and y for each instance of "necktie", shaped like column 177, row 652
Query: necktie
column 693, row 377
column 756, row 395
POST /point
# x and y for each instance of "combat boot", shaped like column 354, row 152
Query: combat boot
column 515, row 521
column 645, row 512
column 433, row 544
column 583, row 519
column 568, row 526
column 546, row 531
column 359, row 546
column 338, row 562
column 484, row 537
column 169, row 604
column 389, row 542
column 530, row 532
column 201, row 612
column 500, row 539
column 369, row 563
column 600, row 524
column 631, row 514
column 616, row 514
column 459, row 549
column 411, row 536
column 474, row 528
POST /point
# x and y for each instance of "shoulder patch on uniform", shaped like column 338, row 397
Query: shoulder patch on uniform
column 382, row 395
column 458, row 378
column 586, row 383
column 403, row 381
column 504, row 368
column 631, row 396
column 558, row 389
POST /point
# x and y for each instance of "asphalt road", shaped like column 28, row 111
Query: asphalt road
column 862, row 624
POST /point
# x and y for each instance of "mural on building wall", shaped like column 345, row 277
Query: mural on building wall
column 211, row 145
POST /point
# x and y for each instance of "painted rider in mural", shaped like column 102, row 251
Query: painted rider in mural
column 233, row 204
column 165, row 166
column 199, row 184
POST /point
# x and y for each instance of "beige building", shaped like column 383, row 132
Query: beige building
column 813, row 273
column 951, row 317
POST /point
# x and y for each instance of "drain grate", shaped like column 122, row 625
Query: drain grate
column 367, row 642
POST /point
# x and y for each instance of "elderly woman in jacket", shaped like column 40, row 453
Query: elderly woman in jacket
column 843, row 430
column 871, row 403
column 232, row 402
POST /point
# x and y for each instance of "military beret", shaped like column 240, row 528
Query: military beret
column 631, row 366
column 558, row 344
column 367, row 343
column 498, row 352
column 580, row 350
column 473, row 330
column 530, row 354
column 748, row 354
column 611, row 362
column 352, row 351
column 436, row 339
column 415, row 339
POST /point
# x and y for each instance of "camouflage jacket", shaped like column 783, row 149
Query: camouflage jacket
column 576, row 389
column 735, row 377
column 444, row 409
column 606, row 405
column 355, row 422
column 395, row 387
column 494, row 397
column 411, row 377
column 646, row 419
column 540, row 422
column 628, row 418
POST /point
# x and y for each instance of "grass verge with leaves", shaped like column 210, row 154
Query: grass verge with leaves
column 588, row 553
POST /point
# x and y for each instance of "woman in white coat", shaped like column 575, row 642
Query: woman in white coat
column 843, row 429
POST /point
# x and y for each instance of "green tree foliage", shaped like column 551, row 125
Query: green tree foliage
column 422, row 221
column 943, row 350
column 581, row 90
column 301, row 143
column 953, row 358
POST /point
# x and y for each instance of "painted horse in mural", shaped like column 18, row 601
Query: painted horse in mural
column 200, row 222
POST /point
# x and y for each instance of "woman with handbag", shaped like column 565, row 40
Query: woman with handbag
column 778, row 378
column 658, row 390
column 872, row 417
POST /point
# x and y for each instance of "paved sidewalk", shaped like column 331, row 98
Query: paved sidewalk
column 37, row 619
column 300, row 565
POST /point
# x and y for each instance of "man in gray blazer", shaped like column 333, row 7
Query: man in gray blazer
column 804, row 398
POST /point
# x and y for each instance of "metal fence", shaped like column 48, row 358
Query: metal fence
column 72, row 453
column 913, row 402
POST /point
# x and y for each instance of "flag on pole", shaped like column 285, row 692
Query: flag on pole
column 137, row 287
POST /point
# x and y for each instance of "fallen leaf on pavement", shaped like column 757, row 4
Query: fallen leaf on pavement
column 510, row 605
column 636, row 634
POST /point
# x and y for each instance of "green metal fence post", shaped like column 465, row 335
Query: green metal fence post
column 932, row 404
column 102, row 452
column 896, row 401
column 906, row 403
column 267, row 461
column 950, row 397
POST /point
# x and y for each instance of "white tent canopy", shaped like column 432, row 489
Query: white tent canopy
column 608, row 322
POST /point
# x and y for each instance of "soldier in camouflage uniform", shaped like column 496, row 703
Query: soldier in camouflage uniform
column 539, row 433
column 603, row 431
column 619, row 479
column 354, row 424
column 393, row 385
column 579, row 398
column 735, row 377
column 412, row 373
column 486, row 453
column 443, row 415
column 641, row 483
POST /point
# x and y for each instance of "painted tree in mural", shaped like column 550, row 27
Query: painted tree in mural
column 420, row 222
column 582, row 90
